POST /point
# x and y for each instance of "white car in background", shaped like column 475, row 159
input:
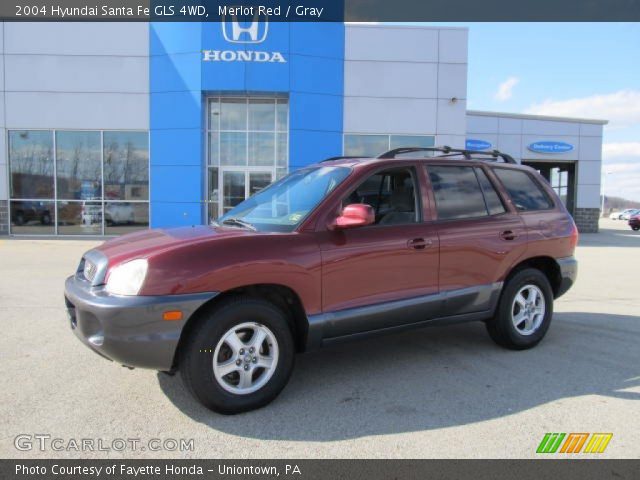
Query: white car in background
column 119, row 213
column 620, row 215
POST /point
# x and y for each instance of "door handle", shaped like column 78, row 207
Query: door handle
column 508, row 235
column 419, row 243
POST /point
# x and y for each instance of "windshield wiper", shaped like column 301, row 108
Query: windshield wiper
column 239, row 223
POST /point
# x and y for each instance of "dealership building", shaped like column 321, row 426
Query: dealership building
column 108, row 128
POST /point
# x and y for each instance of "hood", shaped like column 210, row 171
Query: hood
column 149, row 242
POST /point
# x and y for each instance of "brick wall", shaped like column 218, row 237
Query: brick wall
column 587, row 219
column 4, row 217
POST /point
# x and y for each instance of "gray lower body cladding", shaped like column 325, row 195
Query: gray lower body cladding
column 462, row 305
column 129, row 330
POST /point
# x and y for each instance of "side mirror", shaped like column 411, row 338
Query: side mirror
column 354, row 215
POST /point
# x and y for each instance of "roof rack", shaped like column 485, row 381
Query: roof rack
column 446, row 150
column 343, row 157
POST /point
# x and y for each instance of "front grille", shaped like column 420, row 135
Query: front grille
column 90, row 270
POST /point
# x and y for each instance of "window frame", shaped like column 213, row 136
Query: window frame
column 416, row 188
column 473, row 167
column 535, row 181
column 56, row 201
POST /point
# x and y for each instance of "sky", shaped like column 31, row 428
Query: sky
column 584, row 70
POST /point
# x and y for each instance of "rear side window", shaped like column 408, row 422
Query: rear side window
column 457, row 191
column 525, row 192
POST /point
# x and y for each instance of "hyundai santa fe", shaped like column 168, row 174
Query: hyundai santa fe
column 337, row 251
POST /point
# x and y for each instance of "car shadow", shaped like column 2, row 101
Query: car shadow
column 435, row 378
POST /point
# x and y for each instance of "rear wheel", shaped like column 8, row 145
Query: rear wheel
column 635, row 228
column 239, row 356
column 524, row 311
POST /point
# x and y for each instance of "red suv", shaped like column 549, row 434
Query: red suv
column 336, row 251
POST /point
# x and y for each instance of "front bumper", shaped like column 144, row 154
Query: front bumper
column 128, row 329
column 568, row 274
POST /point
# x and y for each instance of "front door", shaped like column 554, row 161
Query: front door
column 238, row 185
column 394, row 259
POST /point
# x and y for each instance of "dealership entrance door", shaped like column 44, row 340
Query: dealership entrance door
column 561, row 176
column 238, row 185
column 247, row 148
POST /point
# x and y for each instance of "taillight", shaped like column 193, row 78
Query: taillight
column 574, row 236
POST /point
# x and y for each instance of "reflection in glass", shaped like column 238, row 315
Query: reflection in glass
column 262, row 114
column 125, row 217
column 258, row 181
column 281, row 172
column 31, row 164
column 78, row 167
column 126, row 166
column 365, row 145
column 233, row 188
column 214, row 158
column 214, row 114
column 79, row 218
column 244, row 132
column 233, row 148
column 32, row 217
column 398, row 141
column 261, row 149
column 282, row 115
column 213, row 196
column 282, row 150
column 233, row 114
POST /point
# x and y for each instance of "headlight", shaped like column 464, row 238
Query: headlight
column 127, row 279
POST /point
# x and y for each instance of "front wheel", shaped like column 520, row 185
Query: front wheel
column 636, row 228
column 524, row 311
column 239, row 356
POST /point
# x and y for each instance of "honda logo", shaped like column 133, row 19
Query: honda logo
column 254, row 32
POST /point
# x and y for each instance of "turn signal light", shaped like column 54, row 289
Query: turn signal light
column 172, row 315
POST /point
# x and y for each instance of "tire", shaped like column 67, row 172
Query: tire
column 529, row 332
column 208, row 340
column 46, row 219
column 635, row 229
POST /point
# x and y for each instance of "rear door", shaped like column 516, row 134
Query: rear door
column 480, row 236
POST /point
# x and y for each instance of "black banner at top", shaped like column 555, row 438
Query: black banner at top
column 322, row 10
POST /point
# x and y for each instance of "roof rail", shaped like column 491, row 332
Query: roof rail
column 495, row 154
column 341, row 157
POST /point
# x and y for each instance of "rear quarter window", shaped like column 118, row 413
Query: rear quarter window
column 525, row 192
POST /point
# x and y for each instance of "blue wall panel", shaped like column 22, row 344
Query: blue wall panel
column 312, row 76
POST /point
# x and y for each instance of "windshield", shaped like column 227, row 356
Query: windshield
column 283, row 205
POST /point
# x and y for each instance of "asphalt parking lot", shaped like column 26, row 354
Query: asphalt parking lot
column 438, row 392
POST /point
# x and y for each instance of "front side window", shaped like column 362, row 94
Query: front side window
column 525, row 193
column 392, row 194
column 282, row 206
column 457, row 192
